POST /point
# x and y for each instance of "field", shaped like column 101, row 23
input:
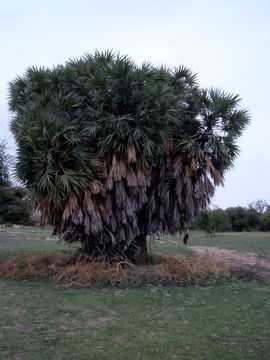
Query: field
column 258, row 242
column 39, row 320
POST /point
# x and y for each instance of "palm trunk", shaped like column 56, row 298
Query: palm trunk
column 143, row 254
column 137, row 250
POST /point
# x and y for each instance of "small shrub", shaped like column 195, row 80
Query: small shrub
column 14, row 207
column 247, row 273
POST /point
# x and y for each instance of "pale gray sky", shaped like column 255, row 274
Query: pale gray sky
column 227, row 43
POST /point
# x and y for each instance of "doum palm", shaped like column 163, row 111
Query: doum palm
column 112, row 152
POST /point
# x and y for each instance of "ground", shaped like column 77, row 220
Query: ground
column 231, row 320
column 234, row 258
column 231, row 256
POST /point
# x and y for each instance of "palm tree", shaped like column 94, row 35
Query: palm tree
column 112, row 152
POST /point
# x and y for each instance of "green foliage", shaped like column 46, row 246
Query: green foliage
column 237, row 218
column 255, row 217
column 212, row 221
column 5, row 160
column 265, row 220
column 111, row 152
column 14, row 208
column 203, row 223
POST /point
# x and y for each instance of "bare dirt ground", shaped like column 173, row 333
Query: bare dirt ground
column 233, row 257
column 246, row 258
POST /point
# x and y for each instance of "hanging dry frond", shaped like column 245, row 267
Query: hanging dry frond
column 131, row 155
column 131, row 178
column 178, row 165
column 119, row 169
column 70, row 207
column 169, row 144
column 215, row 174
column 141, row 177
column 96, row 187
column 193, row 165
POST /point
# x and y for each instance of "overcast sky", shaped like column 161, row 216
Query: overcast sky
column 227, row 43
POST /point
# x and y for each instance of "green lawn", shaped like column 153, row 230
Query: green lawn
column 34, row 239
column 15, row 241
column 258, row 242
column 41, row 321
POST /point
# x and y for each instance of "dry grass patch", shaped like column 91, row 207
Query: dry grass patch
column 188, row 270
column 84, row 271
column 32, row 265
column 80, row 271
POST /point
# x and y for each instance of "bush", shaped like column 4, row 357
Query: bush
column 215, row 220
column 14, row 207
column 265, row 220
column 255, row 217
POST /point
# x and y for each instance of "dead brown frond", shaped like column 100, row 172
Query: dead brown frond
column 118, row 169
column 96, row 187
column 141, row 177
column 215, row 174
column 131, row 154
column 169, row 143
column 131, row 178
column 193, row 164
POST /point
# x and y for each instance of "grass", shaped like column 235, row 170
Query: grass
column 35, row 240
column 39, row 320
column 258, row 242
column 15, row 241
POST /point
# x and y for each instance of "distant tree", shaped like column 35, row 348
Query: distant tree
column 245, row 219
column 204, row 222
column 13, row 207
column 111, row 152
column 5, row 160
column 260, row 206
column 237, row 218
column 265, row 220
column 252, row 219
column 214, row 220
column 255, row 217
column 220, row 220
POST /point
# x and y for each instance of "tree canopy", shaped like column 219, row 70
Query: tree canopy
column 5, row 161
column 253, row 218
column 112, row 152
column 13, row 207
